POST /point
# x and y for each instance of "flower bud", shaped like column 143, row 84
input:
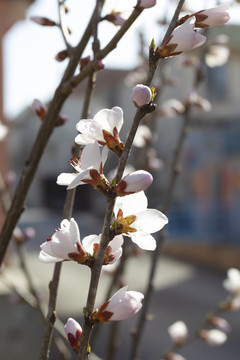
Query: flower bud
column 220, row 324
column 183, row 38
column 42, row 21
column 122, row 305
column 73, row 331
column 137, row 181
column 115, row 18
column 178, row 332
column 39, row 108
column 213, row 337
column 212, row 17
column 98, row 65
column 61, row 120
column 141, row 95
column 84, row 61
column 62, row 55
column 146, row 4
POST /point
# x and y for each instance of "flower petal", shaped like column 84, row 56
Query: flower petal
column 77, row 180
column 88, row 242
column 66, row 178
column 144, row 241
column 131, row 204
column 91, row 157
column 150, row 221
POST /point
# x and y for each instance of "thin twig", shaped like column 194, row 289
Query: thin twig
column 38, row 148
column 62, row 25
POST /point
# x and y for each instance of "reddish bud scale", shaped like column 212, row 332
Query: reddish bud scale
column 75, row 340
column 113, row 141
column 62, row 55
column 84, row 62
column 98, row 181
column 122, row 225
column 101, row 314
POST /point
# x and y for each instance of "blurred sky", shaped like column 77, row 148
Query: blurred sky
column 30, row 70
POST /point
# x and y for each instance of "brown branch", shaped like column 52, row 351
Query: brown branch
column 38, row 148
column 51, row 315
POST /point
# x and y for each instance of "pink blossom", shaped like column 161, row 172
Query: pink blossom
column 73, row 331
column 183, row 38
column 146, row 4
column 134, row 182
column 212, row 17
column 122, row 305
column 141, row 95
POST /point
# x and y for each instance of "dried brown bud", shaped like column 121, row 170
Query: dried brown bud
column 62, row 55
column 43, row 21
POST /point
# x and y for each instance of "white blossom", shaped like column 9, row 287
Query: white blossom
column 92, row 129
column 147, row 221
column 92, row 157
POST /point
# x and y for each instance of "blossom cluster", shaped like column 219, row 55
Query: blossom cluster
column 131, row 216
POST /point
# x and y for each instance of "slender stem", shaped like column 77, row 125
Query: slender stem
column 62, row 25
column 38, row 148
column 138, row 331
column 72, row 83
column 153, row 62
column 51, row 315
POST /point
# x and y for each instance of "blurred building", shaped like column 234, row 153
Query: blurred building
column 206, row 201
column 11, row 11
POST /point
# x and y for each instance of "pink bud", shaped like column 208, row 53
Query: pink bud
column 84, row 61
column 115, row 18
column 62, row 119
column 141, row 95
column 136, row 181
column 73, row 331
column 29, row 232
column 213, row 337
column 212, row 17
column 98, row 65
column 39, row 108
column 146, row 4
column 220, row 323
column 122, row 305
column 183, row 38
